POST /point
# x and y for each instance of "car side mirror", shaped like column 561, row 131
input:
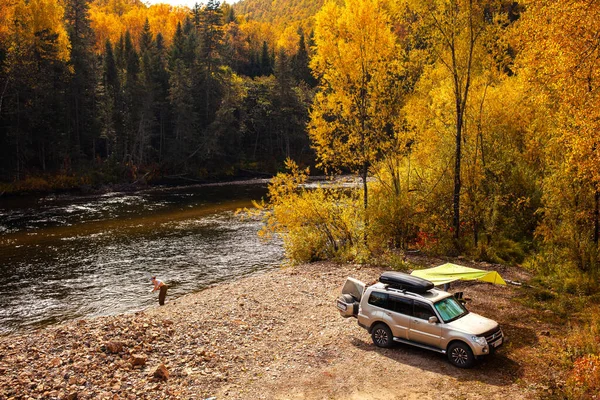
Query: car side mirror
column 433, row 320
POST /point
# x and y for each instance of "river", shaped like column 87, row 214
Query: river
column 67, row 257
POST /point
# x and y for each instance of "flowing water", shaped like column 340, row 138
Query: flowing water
column 65, row 257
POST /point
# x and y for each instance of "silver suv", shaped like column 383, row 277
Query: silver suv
column 406, row 309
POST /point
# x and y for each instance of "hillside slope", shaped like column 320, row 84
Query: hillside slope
column 280, row 12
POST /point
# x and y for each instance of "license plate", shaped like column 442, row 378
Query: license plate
column 342, row 306
column 497, row 342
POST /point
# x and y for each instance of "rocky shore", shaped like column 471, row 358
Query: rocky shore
column 272, row 335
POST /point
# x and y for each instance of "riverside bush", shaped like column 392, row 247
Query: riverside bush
column 315, row 224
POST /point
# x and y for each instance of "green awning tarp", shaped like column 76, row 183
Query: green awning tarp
column 449, row 272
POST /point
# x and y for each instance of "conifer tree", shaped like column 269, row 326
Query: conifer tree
column 83, row 78
column 301, row 62
column 266, row 65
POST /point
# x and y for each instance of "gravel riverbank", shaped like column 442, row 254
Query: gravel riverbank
column 272, row 335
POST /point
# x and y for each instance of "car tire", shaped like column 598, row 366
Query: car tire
column 460, row 355
column 382, row 336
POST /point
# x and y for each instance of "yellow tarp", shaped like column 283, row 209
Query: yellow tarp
column 447, row 273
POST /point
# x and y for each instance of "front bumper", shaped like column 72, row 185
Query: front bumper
column 494, row 340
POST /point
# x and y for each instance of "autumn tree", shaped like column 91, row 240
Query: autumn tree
column 352, row 119
column 561, row 60
column 454, row 31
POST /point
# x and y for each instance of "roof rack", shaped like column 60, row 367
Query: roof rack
column 404, row 291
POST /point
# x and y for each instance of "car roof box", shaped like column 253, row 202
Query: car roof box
column 400, row 280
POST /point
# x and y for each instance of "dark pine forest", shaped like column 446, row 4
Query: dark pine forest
column 203, row 97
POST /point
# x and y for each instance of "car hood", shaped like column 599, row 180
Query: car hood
column 473, row 324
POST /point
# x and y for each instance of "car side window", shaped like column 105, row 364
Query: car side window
column 422, row 311
column 379, row 299
column 400, row 305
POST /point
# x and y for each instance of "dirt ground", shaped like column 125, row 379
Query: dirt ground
column 272, row 335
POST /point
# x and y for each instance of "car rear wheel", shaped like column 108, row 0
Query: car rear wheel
column 382, row 336
column 460, row 355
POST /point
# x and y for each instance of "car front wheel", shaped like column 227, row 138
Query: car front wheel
column 382, row 336
column 460, row 355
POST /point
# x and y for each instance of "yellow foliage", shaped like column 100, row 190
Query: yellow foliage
column 105, row 26
column 6, row 16
column 315, row 223
column 257, row 32
column 29, row 19
column 288, row 41
column 560, row 56
column 133, row 21
column 111, row 19
column 356, row 58
column 560, row 59
column 163, row 18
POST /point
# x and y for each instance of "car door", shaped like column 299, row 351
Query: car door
column 400, row 311
column 354, row 287
column 421, row 330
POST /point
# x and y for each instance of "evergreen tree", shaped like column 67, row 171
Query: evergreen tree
column 109, row 105
column 190, row 44
column 230, row 15
column 185, row 116
column 120, row 53
column 162, row 93
column 81, row 96
column 210, row 31
column 300, row 63
column 146, row 38
column 132, row 100
column 177, row 49
column 266, row 65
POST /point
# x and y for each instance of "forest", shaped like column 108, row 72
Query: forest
column 471, row 125
column 115, row 91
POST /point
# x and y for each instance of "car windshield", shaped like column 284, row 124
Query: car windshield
column 450, row 309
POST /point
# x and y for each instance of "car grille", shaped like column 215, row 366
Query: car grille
column 493, row 335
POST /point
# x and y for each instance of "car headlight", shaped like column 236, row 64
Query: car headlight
column 480, row 340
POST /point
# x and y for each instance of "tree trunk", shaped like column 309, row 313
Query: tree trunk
column 364, row 179
column 18, row 138
column 597, row 217
column 364, row 171
column 457, row 181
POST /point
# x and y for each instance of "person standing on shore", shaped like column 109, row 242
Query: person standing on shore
column 160, row 285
